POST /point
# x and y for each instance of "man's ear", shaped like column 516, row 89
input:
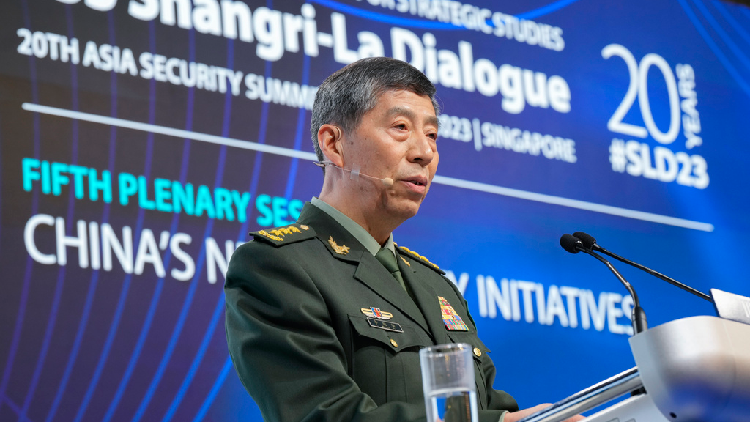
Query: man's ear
column 330, row 141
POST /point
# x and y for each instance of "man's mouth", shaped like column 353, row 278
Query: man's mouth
column 418, row 181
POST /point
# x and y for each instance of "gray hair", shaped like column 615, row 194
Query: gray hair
column 345, row 96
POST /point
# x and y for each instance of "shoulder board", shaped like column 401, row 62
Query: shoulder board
column 419, row 258
column 285, row 235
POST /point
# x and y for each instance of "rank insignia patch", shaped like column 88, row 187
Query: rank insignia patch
column 452, row 321
column 376, row 313
column 285, row 235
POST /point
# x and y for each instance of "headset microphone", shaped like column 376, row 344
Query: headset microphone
column 354, row 173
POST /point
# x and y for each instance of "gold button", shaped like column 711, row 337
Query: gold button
column 393, row 342
column 477, row 352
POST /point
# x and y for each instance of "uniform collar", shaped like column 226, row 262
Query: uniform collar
column 358, row 232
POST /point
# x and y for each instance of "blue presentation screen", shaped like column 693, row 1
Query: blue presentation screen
column 141, row 140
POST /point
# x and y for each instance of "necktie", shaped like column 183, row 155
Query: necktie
column 386, row 257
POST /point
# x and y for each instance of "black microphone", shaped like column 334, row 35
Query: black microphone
column 353, row 174
column 573, row 244
column 590, row 243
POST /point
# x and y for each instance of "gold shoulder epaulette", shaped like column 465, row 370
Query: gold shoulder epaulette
column 419, row 258
column 285, row 235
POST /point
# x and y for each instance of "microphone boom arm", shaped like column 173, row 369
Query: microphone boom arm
column 589, row 243
column 657, row 274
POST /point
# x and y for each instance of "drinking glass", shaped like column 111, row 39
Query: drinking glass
column 448, row 383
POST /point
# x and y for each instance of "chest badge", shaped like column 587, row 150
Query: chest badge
column 386, row 325
column 452, row 321
column 376, row 313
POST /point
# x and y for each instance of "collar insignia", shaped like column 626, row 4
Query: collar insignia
column 452, row 321
column 376, row 313
column 343, row 249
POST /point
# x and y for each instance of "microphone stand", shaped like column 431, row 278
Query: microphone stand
column 639, row 315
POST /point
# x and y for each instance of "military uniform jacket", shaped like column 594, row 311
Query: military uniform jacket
column 302, row 345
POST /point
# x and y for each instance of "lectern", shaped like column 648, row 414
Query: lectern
column 693, row 370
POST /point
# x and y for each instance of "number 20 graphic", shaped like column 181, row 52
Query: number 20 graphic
column 638, row 88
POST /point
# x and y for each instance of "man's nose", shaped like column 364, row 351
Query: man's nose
column 422, row 150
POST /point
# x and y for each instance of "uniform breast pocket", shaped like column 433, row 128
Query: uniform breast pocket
column 479, row 352
column 385, row 358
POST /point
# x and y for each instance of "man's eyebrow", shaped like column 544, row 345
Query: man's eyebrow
column 408, row 113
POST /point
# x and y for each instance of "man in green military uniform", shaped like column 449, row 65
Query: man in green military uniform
column 325, row 317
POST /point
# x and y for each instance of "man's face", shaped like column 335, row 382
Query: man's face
column 398, row 140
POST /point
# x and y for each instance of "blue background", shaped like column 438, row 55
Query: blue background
column 78, row 344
